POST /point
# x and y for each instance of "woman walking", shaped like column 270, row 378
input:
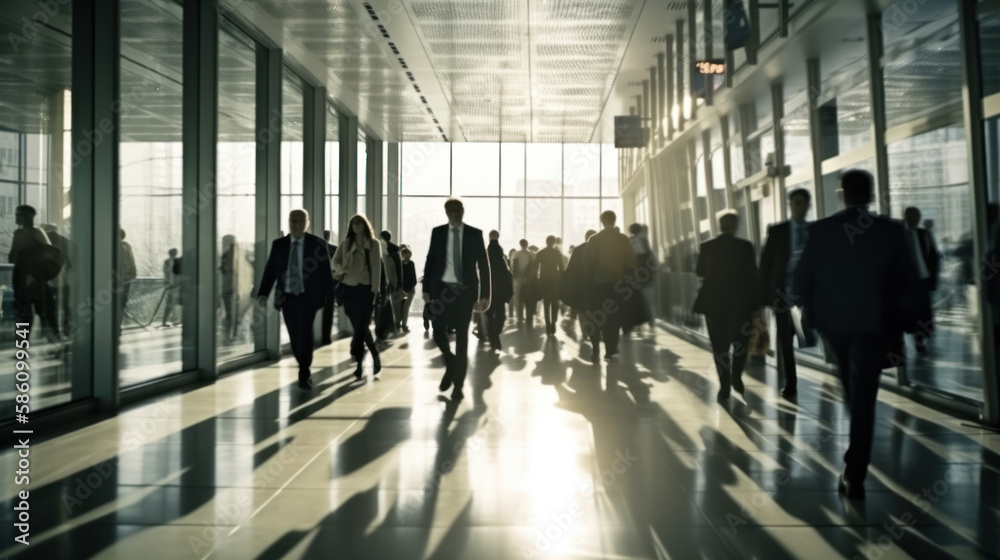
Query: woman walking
column 357, row 265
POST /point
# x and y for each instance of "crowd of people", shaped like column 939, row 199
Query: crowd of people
column 860, row 280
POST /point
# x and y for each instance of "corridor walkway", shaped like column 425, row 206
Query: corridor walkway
column 548, row 457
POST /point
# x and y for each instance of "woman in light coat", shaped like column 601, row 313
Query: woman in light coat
column 357, row 265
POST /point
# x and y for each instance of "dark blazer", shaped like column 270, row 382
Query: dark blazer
column 731, row 283
column 397, row 260
column 857, row 275
column 931, row 257
column 576, row 286
column 473, row 256
column 501, row 279
column 774, row 263
column 316, row 273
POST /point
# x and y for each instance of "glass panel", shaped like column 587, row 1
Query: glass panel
column 926, row 80
column 798, row 142
column 476, row 169
column 609, row 171
column 151, row 171
column 422, row 215
column 482, row 213
column 332, row 174
column 35, row 169
column 581, row 215
column 768, row 17
column 737, row 165
column 512, row 169
column 543, row 217
column 292, row 154
column 236, row 187
column 362, row 171
column 992, row 127
column 989, row 44
column 930, row 172
column 425, row 168
column 582, row 169
column 544, row 170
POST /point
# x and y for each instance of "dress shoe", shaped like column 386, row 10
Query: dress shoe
column 738, row 385
column 446, row 380
column 789, row 392
column 457, row 395
column 723, row 395
column 595, row 355
column 359, row 371
column 853, row 491
column 305, row 384
column 376, row 364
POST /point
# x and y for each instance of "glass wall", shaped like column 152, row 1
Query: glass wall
column 525, row 191
column 152, row 217
column 332, row 174
column 362, row 174
column 236, row 186
column 292, row 155
column 35, row 169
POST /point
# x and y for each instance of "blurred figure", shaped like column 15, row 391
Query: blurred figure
column 409, row 286
column 396, row 282
column 357, row 265
column 729, row 295
column 36, row 261
column 126, row 276
column 778, row 261
column 548, row 268
column 609, row 258
column 63, row 282
column 501, row 290
column 456, row 282
column 237, row 284
column 646, row 267
column 326, row 331
column 172, row 285
column 385, row 317
column 576, row 292
column 523, row 263
column 928, row 259
column 859, row 287
column 300, row 266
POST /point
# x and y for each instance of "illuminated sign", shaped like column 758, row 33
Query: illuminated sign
column 711, row 66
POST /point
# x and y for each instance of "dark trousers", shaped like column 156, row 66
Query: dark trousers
column 299, row 313
column 786, row 348
column 922, row 335
column 859, row 357
column 122, row 300
column 358, row 305
column 729, row 344
column 456, row 314
column 37, row 298
column 170, row 301
column 404, row 308
column 495, row 317
column 606, row 313
column 327, row 332
column 590, row 330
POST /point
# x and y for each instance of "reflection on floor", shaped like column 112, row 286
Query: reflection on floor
column 548, row 457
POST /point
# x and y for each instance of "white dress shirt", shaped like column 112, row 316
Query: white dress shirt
column 450, row 275
column 299, row 246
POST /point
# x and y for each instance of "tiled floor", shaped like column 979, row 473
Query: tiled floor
column 548, row 457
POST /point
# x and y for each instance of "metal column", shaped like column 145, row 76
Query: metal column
column 201, row 61
column 268, row 224
column 877, row 90
column 95, row 131
column 314, row 155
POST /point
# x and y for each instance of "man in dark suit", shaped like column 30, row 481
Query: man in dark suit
column 928, row 261
column 396, row 282
column 300, row 264
column 501, row 290
column 452, row 287
column 858, row 286
column 778, row 261
column 610, row 258
column 729, row 295
column 330, row 304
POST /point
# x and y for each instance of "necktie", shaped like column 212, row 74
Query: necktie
column 295, row 273
column 456, row 253
column 801, row 237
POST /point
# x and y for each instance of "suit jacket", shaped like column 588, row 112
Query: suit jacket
column 501, row 279
column 731, row 283
column 316, row 273
column 397, row 260
column 774, row 263
column 610, row 256
column 857, row 275
column 473, row 257
column 576, row 288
